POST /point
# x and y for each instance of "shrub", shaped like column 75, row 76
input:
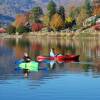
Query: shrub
column 97, row 27
column 37, row 27
column 70, row 22
column 22, row 29
column 11, row 29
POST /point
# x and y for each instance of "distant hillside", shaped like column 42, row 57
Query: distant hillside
column 5, row 20
column 13, row 7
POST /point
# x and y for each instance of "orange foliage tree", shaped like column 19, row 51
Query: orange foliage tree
column 45, row 20
column 21, row 20
column 96, row 11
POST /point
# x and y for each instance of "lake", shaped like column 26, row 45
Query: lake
column 61, row 81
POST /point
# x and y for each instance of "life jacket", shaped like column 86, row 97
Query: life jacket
column 26, row 59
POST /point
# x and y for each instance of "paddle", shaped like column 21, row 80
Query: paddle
column 18, row 61
column 44, row 69
column 18, row 69
column 42, row 58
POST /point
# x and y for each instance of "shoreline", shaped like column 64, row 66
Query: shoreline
column 53, row 35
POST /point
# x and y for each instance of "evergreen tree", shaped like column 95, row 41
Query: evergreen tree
column 61, row 12
column 73, row 12
column 88, row 7
column 51, row 7
column 37, row 12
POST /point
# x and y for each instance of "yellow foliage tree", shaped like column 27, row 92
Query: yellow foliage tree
column 82, row 16
column 69, row 20
column 45, row 20
column 56, row 22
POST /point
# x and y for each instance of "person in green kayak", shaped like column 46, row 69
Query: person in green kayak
column 26, row 59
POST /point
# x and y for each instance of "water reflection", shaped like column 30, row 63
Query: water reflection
column 88, row 49
column 59, row 81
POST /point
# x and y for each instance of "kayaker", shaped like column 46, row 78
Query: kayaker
column 52, row 53
column 26, row 59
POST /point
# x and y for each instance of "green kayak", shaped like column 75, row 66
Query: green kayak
column 31, row 66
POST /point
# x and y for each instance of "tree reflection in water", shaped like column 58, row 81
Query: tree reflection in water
column 88, row 49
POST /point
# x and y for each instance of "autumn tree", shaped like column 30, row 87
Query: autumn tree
column 51, row 7
column 74, row 11
column 45, row 20
column 21, row 20
column 82, row 16
column 57, row 22
column 96, row 11
column 70, row 22
column 96, row 7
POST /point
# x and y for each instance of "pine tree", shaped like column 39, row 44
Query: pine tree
column 51, row 7
column 88, row 7
column 36, row 13
column 61, row 11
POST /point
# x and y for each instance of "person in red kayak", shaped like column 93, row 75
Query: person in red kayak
column 52, row 52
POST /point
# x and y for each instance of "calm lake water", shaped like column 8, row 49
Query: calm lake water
column 62, row 81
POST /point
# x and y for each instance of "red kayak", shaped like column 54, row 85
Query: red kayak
column 68, row 58
column 59, row 58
